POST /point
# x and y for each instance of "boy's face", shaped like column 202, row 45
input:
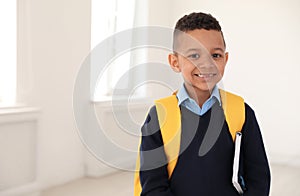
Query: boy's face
column 201, row 59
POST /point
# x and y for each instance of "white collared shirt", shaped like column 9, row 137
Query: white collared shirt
column 185, row 100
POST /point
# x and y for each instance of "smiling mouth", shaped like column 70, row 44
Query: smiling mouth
column 206, row 75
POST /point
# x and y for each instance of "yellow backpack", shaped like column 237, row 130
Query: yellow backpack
column 167, row 108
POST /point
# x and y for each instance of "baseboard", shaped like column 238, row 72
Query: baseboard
column 31, row 189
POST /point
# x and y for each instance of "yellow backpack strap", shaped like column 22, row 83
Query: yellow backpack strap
column 137, row 183
column 234, row 110
column 169, row 119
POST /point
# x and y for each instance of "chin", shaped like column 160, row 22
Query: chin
column 203, row 88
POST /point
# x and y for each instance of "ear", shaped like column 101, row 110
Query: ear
column 174, row 64
column 226, row 57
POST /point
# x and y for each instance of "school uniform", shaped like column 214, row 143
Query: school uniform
column 204, row 166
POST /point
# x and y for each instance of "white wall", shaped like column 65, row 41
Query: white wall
column 262, row 39
column 53, row 40
column 161, row 15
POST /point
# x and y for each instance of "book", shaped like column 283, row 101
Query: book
column 237, row 180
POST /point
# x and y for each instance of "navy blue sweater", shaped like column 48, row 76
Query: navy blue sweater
column 207, row 174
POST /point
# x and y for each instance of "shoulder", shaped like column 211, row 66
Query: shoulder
column 151, row 124
column 152, row 114
column 251, row 126
column 236, row 101
column 250, row 114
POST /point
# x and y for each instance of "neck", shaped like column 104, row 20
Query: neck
column 199, row 96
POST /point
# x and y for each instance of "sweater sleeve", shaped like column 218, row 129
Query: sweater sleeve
column 255, row 163
column 153, row 163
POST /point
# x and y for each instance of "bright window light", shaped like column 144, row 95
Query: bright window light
column 108, row 18
column 8, row 50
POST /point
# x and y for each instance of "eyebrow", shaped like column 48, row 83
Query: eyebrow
column 221, row 49
column 198, row 49
column 193, row 49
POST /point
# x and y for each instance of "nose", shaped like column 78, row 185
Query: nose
column 206, row 62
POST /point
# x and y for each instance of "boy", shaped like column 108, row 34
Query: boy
column 203, row 166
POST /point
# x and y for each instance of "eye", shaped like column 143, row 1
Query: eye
column 194, row 56
column 216, row 55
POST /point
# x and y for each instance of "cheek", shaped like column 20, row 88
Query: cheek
column 221, row 70
column 186, row 66
column 221, row 67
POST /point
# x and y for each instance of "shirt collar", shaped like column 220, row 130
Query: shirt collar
column 182, row 95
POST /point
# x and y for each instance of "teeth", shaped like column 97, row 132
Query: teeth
column 205, row 75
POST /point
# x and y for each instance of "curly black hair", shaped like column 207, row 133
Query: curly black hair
column 197, row 20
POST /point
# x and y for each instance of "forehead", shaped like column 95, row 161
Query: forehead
column 200, row 39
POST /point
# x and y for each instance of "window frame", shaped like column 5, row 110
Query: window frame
column 110, row 88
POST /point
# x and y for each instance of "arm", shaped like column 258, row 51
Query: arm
column 256, row 167
column 153, row 171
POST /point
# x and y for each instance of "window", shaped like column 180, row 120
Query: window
column 108, row 18
column 8, row 50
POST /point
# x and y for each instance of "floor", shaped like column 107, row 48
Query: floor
column 285, row 181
